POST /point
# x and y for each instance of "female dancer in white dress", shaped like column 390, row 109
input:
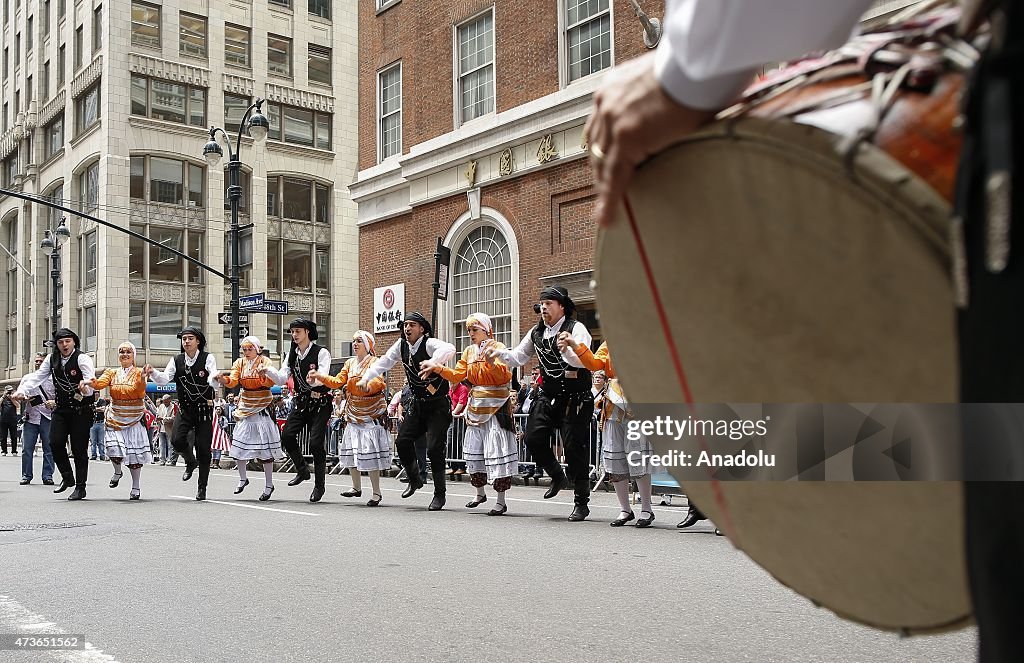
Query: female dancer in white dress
column 489, row 447
column 126, row 438
column 256, row 435
column 366, row 444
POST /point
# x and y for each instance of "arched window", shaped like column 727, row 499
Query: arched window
column 482, row 281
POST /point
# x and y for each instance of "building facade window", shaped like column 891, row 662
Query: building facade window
column 61, row 64
column 44, row 88
column 166, row 100
column 244, row 258
column 167, row 181
column 145, row 24
column 46, row 17
column 87, row 108
column 192, row 35
column 279, row 55
column 89, row 188
column 476, row 67
column 281, row 3
column 298, row 126
column 88, row 329
column 10, row 170
column 482, row 281
column 234, row 109
column 55, row 136
column 588, row 36
column 298, row 199
column 319, row 64
column 11, row 237
column 97, row 29
column 321, row 8
column 389, row 112
column 382, row 4
column 237, row 49
column 90, row 258
column 78, row 47
column 28, row 35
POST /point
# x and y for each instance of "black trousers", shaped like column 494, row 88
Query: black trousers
column 992, row 362
column 68, row 423
column 315, row 419
column 12, row 430
column 199, row 423
column 430, row 419
column 571, row 417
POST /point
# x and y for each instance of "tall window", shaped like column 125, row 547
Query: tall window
column 319, row 68
column 44, row 88
column 482, row 281
column 321, row 8
column 244, row 257
column 55, row 136
column 12, row 273
column 97, row 29
column 61, row 62
column 476, row 67
column 165, row 100
column 87, row 108
column 236, row 45
column 90, row 258
column 298, row 199
column 279, row 55
column 46, row 17
column 89, row 329
column 192, row 36
column 389, row 112
column 89, row 188
column 588, row 36
column 145, row 24
column 78, row 47
column 298, row 126
column 28, row 34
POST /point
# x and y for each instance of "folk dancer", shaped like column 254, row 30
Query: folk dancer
column 366, row 443
column 126, row 439
column 311, row 406
column 429, row 411
column 256, row 435
column 71, row 420
column 617, row 449
column 193, row 372
column 490, row 447
column 564, row 402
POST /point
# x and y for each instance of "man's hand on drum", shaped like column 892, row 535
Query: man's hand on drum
column 632, row 119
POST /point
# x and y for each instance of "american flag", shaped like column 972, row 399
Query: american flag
column 220, row 438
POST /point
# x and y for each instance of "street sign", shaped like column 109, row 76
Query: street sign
column 270, row 306
column 243, row 332
column 251, row 301
column 225, row 318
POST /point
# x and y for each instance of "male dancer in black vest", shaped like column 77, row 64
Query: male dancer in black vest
column 564, row 401
column 431, row 411
column 72, row 416
column 311, row 405
column 192, row 372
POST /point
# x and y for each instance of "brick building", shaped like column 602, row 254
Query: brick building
column 470, row 129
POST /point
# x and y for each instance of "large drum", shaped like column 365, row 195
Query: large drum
column 797, row 252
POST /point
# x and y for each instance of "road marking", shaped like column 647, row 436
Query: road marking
column 249, row 506
column 16, row 618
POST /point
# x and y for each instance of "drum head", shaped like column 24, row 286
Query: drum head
column 789, row 276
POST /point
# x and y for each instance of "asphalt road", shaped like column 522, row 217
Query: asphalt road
column 167, row 579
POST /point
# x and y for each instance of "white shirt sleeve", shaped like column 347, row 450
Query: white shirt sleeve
column 88, row 372
column 31, row 382
column 440, row 351
column 711, row 48
column 580, row 334
column 211, row 371
column 522, row 352
column 323, row 361
column 280, row 376
column 166, row 376
column 385, row 363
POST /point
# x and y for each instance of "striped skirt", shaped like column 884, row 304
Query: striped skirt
column 366, row 447
column 256, row 436
column 616, row 448
column 130, row 443
column 491, row 449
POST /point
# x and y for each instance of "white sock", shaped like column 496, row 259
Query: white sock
column 136, row 476
column 117, row 468
column 501, row 498
column 375, row 482
column 643, row 484
column 622, row 492
column 241, row 471
column 481, row 493
column 268, row 471
column 357, row 478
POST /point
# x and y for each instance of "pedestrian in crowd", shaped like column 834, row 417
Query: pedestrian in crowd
column 490, row 447
column 165, row 413
column 524, row 401
column 366, row 443
column 311, row 406
column 36, row 417
column 221, row 441
column 336, row 423
column 229, row 412
column 460, row 400
column 8, row 421
column 96, row 433
column 430, row 410
column 125, row 436
column 564, row 402
column 193, row 372
column 72, row 412
column 256, row 436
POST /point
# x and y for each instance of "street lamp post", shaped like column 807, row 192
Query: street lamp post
column 51, row 246
column 257, row 126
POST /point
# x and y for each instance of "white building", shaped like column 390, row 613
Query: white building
column 107, row 104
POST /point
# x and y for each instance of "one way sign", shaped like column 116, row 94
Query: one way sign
column 225, row 318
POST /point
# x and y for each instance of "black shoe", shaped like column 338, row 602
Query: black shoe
column 200, row 494
column 47, row 482
column 189, row 469
column 135, row 494
column 375, row 501
column 692, row 518
column 114, row 480
column 241, row 486
column 64, row 485
column 404, row 480
column 437, row 503
column 618, row 522
column 645, row 522
column 557, row 484
column 352, row 493
column 300, row 476
column 579, row 513
column 477, row 501
column 498, row 510
column 317, row 494
column 267, row 492
column 92, row 457
column 25, row 482
column 79, row 494
column 414, row 484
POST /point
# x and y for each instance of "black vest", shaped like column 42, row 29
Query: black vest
column 65, row 381
column 193, row 384
column 300, row 368
column 553, row 367
column 412, row 373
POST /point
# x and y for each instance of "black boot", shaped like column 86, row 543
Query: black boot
column 189, row 469
column 64, row 485
column 558, row 480
column 437, row 503
column 79, row 494
column 300, row 476
column 581, row 510
column 415, row 483
column 693, row 516
column 201, row 494
column 318, row 492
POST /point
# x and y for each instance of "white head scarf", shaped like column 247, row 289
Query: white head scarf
column 367, row 339
column 481, row 319
column 254, row 341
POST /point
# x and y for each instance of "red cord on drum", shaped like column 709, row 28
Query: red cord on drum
column 677, row 363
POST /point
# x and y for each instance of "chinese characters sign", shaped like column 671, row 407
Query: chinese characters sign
column 388, row 308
